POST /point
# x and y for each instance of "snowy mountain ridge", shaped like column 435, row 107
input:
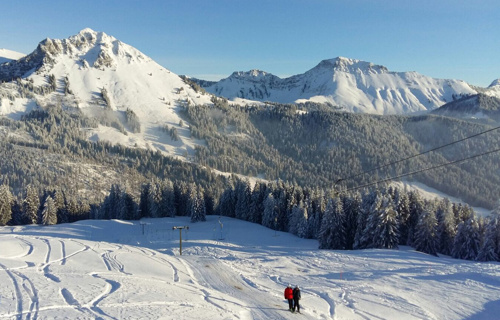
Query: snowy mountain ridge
column 354, row 85
column 102, row 75
column 9, row 55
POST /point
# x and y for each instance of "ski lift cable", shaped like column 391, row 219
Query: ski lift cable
column 422, row 170
column 413, row 156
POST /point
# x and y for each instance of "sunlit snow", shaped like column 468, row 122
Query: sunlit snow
column 229, row 269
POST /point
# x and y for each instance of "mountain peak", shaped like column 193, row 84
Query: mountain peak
column 494, row 83
column 254, row 73
column 350, row 65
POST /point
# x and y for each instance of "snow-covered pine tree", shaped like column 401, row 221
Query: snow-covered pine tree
column 447, row 228
column 154, row 199
column 402, row 204
column 386, row 233
column 302, row 221
column 467, row 241
column 197, row 205
column 167, row 203
column 269, row 216
column 227, row 203
column 489, row 248
column 426, row 239
column 143, row 201
column 373, row 220
column 6, row 201
column 60, row 202
column 243, row 192
column 182, row 191
column 49, row 211
column 416, row 208
column 31, row 204
column 351, row 207
column 281, row 202
column 367, row 202
column 298, row 221
column 332, row 233
column 259, row 194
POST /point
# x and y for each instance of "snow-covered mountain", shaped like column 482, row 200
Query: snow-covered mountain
column 96, row 72
column 483, row 106
column 354, row 85
column 9, row 55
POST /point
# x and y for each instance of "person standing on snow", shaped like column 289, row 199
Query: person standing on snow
column 289, row 296
column 296, row 298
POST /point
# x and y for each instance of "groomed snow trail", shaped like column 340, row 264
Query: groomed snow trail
column 212, row 273
column 111, row 270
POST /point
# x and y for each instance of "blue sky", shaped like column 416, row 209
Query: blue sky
column 211, row 39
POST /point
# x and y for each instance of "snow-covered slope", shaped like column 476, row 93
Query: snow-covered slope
column 9, row 55
column 481, row 107
column 354, row 85
column 494, row 89
column 229, row 269
column 90, row 63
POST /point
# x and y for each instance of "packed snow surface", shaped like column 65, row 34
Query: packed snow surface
column 229, row 269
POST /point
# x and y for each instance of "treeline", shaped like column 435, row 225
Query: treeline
column 319, row 146
column 49, row 149
column 385, row 218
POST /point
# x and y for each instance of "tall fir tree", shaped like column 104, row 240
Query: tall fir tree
column 6, row 202
column 197, row 205
column 402, row 203
column 467, row 241
column 426, row 239
column 243, row 193
column 332, row 233
column 352, row 207
column 416, row 208
column 373, row 220
column 270, row 215
column 298, row 221
column 361, row 240
column 386, row 233
column 489, row 248
column 167, row 202
column 31, row 204
column 447, row 228
column 49, row 211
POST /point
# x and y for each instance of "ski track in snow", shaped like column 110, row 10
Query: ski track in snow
column 17, row 290
column 218, row 276
column 234, row 281
column 31, row 291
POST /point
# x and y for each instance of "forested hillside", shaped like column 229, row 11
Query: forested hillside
column 319, row 147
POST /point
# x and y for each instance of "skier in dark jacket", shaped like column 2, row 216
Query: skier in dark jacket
column 296, row 298
column 289, row 296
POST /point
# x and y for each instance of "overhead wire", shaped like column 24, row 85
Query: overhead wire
column 421, row 170
column 414, row 156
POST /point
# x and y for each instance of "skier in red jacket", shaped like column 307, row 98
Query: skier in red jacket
column 289, row 296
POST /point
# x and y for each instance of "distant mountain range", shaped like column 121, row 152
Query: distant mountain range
column 353, row 85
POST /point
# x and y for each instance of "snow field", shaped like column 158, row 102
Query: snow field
column 228, row 270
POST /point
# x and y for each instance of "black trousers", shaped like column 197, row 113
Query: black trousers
column 296, row 305
column 290, row 303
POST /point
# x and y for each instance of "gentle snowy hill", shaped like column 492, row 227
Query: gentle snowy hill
column 9, row 55
column 229, row 269
column 104, row 77
column 354, row 85
column 481, row 107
